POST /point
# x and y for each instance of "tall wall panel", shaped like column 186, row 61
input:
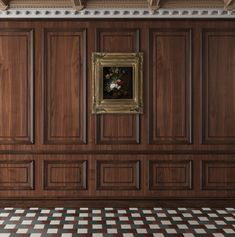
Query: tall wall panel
column 170, row 87
column 117, row 129
column 65, row 86
column 16, row 86
column 218, row 98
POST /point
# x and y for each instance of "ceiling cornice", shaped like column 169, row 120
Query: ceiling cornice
column 117, row 13
column 151, row 4
column 117, row 8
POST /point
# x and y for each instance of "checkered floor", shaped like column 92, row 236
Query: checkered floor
column 66, row 222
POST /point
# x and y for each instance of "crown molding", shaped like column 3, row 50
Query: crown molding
column 116, row 13
column 94, row 4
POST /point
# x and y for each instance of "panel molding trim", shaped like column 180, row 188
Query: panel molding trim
column 65, row 175
column 104, row 132
column 217, row 100
column 170, row 175
column 65, row 123
column 17, row 117
column 17, row 175
column 218, row 175
column 165, row 103
column 117, row 175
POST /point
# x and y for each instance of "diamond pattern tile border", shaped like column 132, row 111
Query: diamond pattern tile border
column 127, row 222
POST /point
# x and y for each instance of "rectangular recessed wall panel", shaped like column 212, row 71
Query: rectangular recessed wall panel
column 65, row 175
column 16, row 175
column 65, row 87
column 218, row 175
column 16, row 86
column 170, row 175
column 119, row 128
column 170, row 87
column 118, row 175
column 218, row 97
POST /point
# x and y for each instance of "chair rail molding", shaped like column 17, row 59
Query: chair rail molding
column 116, row 13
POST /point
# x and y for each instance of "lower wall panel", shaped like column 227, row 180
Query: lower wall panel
column 17, row 175
column 170, row 175
column 65, row 175
column 117, row 176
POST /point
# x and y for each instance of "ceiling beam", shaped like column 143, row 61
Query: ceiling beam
column 154, row 4
column 78, row 4
column 229, row 4
column 4, row 4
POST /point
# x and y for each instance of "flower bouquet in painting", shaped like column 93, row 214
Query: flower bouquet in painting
column 117, row 83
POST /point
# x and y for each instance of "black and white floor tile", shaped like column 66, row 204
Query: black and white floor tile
column 126, row 222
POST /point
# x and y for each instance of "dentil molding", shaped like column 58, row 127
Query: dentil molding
column 117, row 13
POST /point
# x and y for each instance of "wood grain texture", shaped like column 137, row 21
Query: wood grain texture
column 66, row 133
column 118, row 128
column 16, row 175
column 65, row 175
column 170, row 87
column 170, row 175
column 65, row 87
column 16, row 86
column 218, row 98
column 217, row 175
column 118, row 175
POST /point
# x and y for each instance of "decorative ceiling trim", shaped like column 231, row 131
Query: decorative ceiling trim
column 117, row 13
column 98, row 4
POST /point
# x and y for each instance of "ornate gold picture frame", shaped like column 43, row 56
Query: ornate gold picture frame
column 117, row 83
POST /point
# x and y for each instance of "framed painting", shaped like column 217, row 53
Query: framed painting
column 117, row 83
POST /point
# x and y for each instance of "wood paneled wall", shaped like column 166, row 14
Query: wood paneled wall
column 53, row 147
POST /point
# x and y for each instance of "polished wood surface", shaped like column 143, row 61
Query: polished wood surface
column 170, row 86
column 113, row 128
column 53, row 147
column 64, row 87
column 218, row 87
column 16, row 87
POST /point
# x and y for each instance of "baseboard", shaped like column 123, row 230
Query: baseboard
column 76, row 203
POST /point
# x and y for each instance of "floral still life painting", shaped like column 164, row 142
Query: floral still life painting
column 117, row 83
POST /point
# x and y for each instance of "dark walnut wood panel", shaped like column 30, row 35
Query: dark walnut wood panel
column 218, row 97
column 170, row 86
column 218, row 175
column 16, row 86
column 65, row 86
column 118, row 175
column 16, row 175
column 118, row 128
column 170, row 175
column 118, row 40
column 65, row 175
